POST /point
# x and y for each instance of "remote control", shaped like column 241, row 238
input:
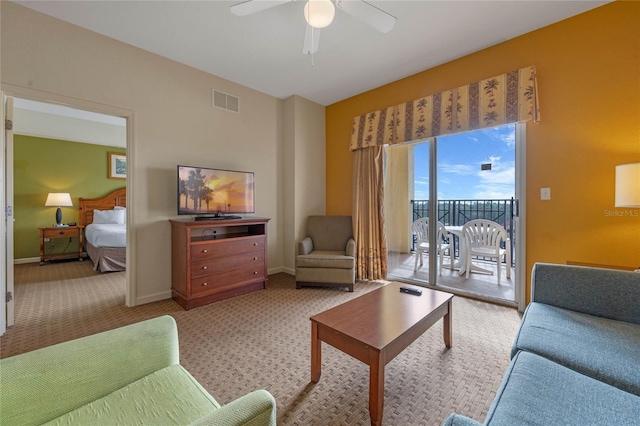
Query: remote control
column 413, row 291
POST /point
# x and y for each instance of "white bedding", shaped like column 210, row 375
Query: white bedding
column 106, row 235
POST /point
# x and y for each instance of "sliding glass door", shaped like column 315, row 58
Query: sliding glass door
column 407, row 195
column 454, row 179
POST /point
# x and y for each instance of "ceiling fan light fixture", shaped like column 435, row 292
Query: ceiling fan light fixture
column 319, row 13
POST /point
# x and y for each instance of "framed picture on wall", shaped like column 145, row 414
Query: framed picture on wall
column 117, row 165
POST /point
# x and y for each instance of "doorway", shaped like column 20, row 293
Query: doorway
column 457, row 178
column 48, row 101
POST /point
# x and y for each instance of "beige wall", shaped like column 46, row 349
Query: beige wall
column 305, row 182
column 173, row 123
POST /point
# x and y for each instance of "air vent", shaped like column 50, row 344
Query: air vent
column 226, row 101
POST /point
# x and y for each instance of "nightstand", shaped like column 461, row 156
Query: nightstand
column 66, row 232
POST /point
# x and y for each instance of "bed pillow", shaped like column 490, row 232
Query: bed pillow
column 108, row 216
column 124, row 209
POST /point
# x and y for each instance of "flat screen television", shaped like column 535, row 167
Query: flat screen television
column 208, row 193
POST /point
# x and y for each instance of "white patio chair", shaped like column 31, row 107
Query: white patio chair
column 483, row 238
column 420, row 227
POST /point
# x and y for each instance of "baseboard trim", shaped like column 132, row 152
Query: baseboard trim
column 281, row 269
column 26, row 260
column 153, row 298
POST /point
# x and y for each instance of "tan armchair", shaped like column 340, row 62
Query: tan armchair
column 326, row 256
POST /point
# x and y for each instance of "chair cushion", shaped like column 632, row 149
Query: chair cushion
column 536, row 391
column 604, row 349
column 325, row 259
column 170, row 396
column 330, row 232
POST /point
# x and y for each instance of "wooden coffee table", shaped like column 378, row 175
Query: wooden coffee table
column 376, row 327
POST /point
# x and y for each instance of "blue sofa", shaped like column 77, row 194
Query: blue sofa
column 576, row 357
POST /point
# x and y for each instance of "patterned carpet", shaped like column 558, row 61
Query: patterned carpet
column 262, row 340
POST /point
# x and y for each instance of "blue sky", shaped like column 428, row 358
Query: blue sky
column 459, row 160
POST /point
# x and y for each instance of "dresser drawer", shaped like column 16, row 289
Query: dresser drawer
column 226, row 280
column 253, row 260
column 60, row 232
column 226, row 247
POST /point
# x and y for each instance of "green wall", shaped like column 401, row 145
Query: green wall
column 43, row 165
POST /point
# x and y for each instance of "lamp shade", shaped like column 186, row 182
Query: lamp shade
column 319, row 13
column 628, row 185
column 58, row 199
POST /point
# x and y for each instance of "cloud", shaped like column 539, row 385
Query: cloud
column 503, row 177
column 421, row 181
column 421, row 195
column 493, row 192
column 504, row 134
column 458, row 169
column 497, row 183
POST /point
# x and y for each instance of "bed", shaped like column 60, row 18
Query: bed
column 105, row 229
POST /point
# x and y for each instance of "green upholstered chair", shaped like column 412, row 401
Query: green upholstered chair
column 129, row 375
column 326, row 256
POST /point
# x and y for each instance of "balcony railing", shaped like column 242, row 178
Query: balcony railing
column 459, row 212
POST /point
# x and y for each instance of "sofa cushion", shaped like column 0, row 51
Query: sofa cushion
column 325, row 259
column 607, row 293
column 604, row 349
column 536, row 391
column 170, row 396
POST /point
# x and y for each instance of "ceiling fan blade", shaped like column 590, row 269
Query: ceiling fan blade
column 311, row 40
column 368, row 13
column 252, row 6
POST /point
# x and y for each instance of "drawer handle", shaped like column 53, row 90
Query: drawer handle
column 61, row 232
column 255, row 244
column 204, row 267
column 205, row 251
column 205, row 284
column 255, row 258
column 255, row 272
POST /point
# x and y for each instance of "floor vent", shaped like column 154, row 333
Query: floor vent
column 226, row 101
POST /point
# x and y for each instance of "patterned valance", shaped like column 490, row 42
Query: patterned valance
column 507, row 98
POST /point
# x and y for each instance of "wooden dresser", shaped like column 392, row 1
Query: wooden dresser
column 217, row 259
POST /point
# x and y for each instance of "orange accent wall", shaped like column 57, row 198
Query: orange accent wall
column 588, row 70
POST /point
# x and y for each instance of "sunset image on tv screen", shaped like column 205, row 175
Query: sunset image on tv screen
column 203, row 191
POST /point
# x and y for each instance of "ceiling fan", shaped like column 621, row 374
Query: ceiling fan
column 320, row 13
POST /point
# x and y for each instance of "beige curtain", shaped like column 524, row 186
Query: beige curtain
column 507, row 98
column 368, row 214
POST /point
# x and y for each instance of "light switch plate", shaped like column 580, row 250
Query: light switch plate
column 545, row 193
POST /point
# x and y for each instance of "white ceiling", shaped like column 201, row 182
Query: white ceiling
column 263, row 51
column 24, row 104
column 53, row 121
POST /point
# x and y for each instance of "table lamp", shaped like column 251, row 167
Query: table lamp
column 59, row 199
column 628, row 185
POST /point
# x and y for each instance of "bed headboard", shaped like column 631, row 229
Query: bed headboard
column 108, row 202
